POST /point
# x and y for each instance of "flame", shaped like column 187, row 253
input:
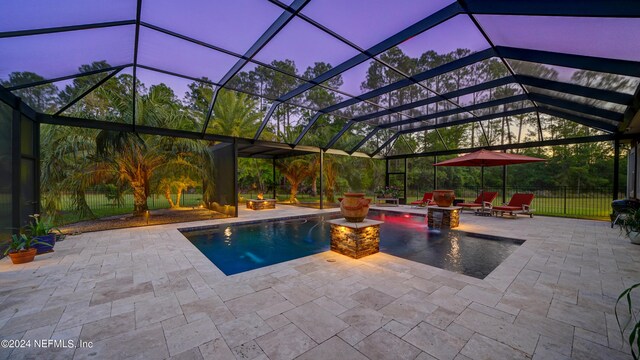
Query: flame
column 260, row 196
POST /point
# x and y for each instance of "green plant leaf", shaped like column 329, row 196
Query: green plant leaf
column 634, row 339
column 634, row 335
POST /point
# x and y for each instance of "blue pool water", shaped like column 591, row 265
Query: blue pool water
column 238, row 248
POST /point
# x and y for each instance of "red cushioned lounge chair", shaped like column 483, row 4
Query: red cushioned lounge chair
column 519, row 204
column 427, row 199
column 483, row 201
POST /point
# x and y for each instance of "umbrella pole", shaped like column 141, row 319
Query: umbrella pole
column 482, row 187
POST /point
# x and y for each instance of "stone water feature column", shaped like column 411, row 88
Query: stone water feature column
column 443, row 217
column 355, row 240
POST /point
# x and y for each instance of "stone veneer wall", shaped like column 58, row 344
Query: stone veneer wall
column 450, row 218
column 355, row 243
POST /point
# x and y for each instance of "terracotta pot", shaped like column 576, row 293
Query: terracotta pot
column 354, row 207
column 22, row 257
column 444, row 198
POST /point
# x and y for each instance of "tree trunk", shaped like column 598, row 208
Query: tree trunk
column 178, row 196
column 139, row 198
column 288, row 128
column 294, row 192
column 473, row 134
column 167, row 195
column 330, row 196
column 81, row 206
column 259, row 173
column 314, row 186
column 520, row 130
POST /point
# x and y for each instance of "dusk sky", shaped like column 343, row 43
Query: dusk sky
column 235, row 25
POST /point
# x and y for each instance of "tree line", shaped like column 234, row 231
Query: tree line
column 77, row 159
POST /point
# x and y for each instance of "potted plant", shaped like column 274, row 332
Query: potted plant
column 41, row 230
column 631, row 226
column 21, row 248
column 634, row 336
column 388, row 192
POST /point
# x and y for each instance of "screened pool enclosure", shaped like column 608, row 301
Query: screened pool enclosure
column 392, row 80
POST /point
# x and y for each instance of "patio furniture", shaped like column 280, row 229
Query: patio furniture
column 519, row 204
column 621, row 208
column 427, row 199
column 484, row 158
column 482, row 204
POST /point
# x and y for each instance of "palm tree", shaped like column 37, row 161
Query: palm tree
column 295, row 172
column 66, row 153
column 235, row 115
column 314, row 172
column 135, row 159
column 66, row 167
column 331, row 170
column 175, row 184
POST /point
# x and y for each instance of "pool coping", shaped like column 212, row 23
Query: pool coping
column 250, row 222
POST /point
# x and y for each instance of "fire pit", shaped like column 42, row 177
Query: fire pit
column 261, row 203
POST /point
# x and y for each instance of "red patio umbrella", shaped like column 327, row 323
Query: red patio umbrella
column 484, row 158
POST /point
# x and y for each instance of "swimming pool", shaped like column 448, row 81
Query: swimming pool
column 242, row 247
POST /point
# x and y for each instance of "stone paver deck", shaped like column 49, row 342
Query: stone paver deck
column 148, row 293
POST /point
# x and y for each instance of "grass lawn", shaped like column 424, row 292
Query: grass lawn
column 597, row 208
column 586, row 207
column 103, row 207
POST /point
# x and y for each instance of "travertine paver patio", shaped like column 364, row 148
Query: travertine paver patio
column 148, row 293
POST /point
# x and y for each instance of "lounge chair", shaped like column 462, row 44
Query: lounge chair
column 427, row 199
column 519, row 204
column 483, row 201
